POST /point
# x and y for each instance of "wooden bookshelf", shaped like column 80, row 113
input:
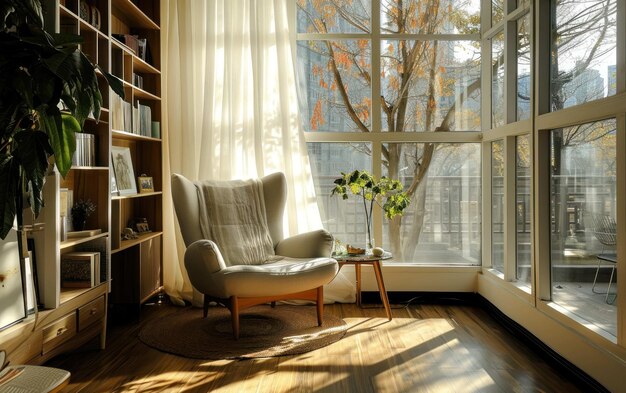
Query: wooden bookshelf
column 80, row 314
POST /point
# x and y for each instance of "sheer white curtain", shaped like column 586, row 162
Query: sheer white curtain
column 229, row 91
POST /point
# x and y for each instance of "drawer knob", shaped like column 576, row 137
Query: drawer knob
column 93, row 311
column 61, row 331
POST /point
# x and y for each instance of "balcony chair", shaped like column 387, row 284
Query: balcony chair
column 301, row 273
column 604, row 229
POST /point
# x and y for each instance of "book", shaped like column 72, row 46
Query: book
column 80, row 269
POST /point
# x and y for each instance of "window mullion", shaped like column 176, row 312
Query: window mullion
column 510, row 227
column 376, row 112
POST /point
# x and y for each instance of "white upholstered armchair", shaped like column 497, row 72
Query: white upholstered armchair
column 295, row 268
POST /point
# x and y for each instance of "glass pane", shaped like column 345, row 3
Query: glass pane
column 498, row 113
column 334, row 85
column 343, row 218
column 523, row 208
column 497, row 205
column 583, row 233
column 522, row 3
column 331, row 16
column 583, row 52
column 443, row 223
column 430, row 17
column 523, row 68
column 430, row 85
column 497, row 11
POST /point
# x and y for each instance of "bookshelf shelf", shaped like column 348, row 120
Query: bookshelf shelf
column 141, row 66
column 142, row 195
column 132, row 15
column 79, row 240
column 125, row 244
column 120, row 45
column 140, row 93
column 118, row 134
column 68, row 294
column 64, row 11
column 90, row 168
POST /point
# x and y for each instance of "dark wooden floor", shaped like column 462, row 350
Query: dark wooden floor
column 425, row 348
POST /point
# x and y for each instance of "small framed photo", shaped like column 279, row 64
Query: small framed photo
column 145, row 184
column 141, row 225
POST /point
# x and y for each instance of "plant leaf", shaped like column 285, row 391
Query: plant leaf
column 9, row 177
column 61, row 129
column 32, row 152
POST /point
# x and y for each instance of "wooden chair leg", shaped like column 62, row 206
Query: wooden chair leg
column 320, row 305
column 205, row 306
column 234, row 314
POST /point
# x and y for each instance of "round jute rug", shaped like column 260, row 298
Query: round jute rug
column 264, row 332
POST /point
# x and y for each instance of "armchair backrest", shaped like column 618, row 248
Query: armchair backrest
column 185, row 199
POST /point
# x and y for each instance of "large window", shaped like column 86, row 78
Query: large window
column 472, row 110
column 583, row 219
column 584, row 55
column 410, row 75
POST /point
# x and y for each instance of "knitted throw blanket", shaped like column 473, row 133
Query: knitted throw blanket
column 232, row 214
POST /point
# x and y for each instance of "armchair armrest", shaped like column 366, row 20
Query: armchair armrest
column 313, row 244
column 202, row 258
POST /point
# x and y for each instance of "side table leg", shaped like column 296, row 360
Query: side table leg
column 381, row 288
column 357, row 272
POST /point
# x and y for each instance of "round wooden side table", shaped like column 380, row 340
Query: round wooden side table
column 374, row 261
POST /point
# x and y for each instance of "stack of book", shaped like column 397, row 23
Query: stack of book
column 142, row 122
column 136, row 120
column 138, row 80
column 85, row 154
column 80, row 269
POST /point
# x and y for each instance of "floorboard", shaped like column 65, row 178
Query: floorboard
column 425, row 348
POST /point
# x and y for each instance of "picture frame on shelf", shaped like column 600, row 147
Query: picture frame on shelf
column 123, row 168
column 33, row 263
column 140, row 225
column 12, row 290
column 145, row 184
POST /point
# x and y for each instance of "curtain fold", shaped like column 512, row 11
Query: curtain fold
column 229, row 90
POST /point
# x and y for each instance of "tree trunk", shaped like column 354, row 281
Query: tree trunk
column 418, row 206
column 395, row 153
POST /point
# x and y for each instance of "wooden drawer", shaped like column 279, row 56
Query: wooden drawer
column 59, row 332
column 90, row 313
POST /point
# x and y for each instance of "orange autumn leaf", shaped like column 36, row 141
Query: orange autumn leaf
column 317, row 119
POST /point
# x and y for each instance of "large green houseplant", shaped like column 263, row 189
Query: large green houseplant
column 48, row 87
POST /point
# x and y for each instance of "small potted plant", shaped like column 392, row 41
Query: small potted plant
column 386, row 193
column 80, row 212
